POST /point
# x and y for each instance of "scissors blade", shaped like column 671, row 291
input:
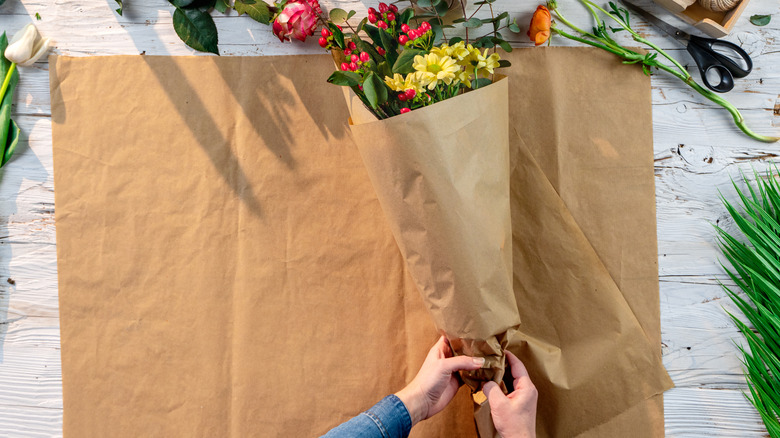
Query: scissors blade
column 657, row 22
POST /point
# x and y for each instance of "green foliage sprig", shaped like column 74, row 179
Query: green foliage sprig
column 601, row 36
column 756, row 271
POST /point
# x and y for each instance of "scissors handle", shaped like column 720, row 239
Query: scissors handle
column 703, row 52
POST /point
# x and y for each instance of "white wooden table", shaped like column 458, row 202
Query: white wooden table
column 697, row 150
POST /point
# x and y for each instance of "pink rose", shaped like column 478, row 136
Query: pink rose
column 297, row 19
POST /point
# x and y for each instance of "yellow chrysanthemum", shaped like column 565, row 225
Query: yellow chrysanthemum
column 433, row 69
column 458, row 51
column 396, row 83
column 400, row 83
column 442, row 50
column 491, row 63
column 464, row 77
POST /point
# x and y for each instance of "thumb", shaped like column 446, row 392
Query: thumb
column 462, row 363
column 493, row 393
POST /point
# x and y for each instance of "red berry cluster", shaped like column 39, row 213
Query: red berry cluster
column 383, row 18
column 413, row 34
column 354, row 59
column 407, row 95
column 326, row 40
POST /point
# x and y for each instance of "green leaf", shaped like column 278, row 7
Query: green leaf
column 514, row 27
column 390, row 45
column 222, row 6
column 481, row 82
column 197, row 29
column 455, row 40
column 6, row 125
column 345, row 78
column 760, row 20
column 361, row 24
column 338, row 35
column 182, row 3
column 351, row 14
column 258, row 10
column 38, row 16
column 11, row 141
column 338, row 15
column 473, row 23
column 375, row 90
column 373, row 33
column 403, row 65
column 405, row 16
column 383, row 69
column 504, row 63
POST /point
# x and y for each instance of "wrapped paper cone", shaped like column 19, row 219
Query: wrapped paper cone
column 441, row 174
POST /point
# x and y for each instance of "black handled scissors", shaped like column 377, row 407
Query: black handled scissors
column 703, row 51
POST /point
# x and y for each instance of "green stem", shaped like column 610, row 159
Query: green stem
column 628, row 55
column 7, row 81
column 637, row 37
column 739, row 120
column 577, row 29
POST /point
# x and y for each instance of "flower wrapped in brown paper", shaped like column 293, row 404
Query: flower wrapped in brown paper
column 441, row 174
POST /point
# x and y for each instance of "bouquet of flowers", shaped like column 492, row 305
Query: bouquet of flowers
column 402, row 67
column 430, row 120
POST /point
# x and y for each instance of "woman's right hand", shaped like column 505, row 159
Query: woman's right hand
column 514, row 415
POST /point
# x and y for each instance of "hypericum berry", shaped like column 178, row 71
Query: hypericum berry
column 410, row 93
column 402, row 97
column 353, row 66
column 380, row 50
column 390, row 16
column 347, row 52
column 393, row 8
column 360, row 87
column 372, row 11
column 325, row 32
column 372, row 18
column 352, row 46
column 354, row 58
column 365, row 57
column 383, row 7
column 405, row 110
column 413, row 34
column 344, row 66
column 425, row 26
column 339, row 27
column 381, row 24
column 323, row 42
column 403, row 39
column 404, row 28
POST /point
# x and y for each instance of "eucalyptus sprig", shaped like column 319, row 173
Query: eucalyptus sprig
column 601, row 36
column 755, row 269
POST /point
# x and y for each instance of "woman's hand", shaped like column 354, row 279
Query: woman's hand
column 435, row 385
column 514, row 415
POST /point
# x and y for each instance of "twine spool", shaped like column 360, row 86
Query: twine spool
column 719, row 5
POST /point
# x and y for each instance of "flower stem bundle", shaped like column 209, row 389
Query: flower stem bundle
column 600, row 36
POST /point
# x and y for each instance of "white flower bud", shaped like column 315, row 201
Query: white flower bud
column 27, row 46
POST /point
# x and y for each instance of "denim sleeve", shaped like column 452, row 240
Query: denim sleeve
column 387, row 419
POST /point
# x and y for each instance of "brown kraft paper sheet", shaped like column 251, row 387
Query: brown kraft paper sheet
column 225, row 268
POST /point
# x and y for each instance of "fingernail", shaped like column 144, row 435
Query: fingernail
column 478, row 361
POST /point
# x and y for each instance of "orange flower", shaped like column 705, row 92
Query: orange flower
column 539, row 31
